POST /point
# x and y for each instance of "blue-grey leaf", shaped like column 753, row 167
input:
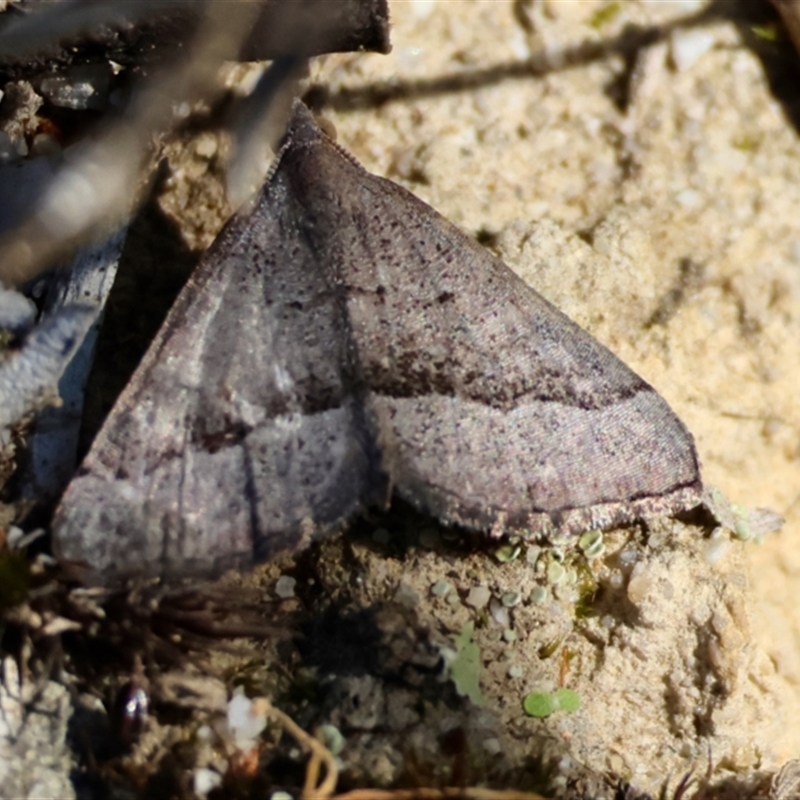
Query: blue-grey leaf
column 29, row 377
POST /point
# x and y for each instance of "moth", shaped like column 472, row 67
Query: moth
column 340, row 343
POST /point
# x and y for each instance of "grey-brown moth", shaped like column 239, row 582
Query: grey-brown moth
column 342, row 342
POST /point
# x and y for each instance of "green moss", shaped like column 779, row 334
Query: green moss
column 465, row 668
column 603, row 16
column 587, row 592
column 539, row 704
column 567, row 700
column 745, row 142
column 543, row 704
column 769, row 33
column 548, row 649
column 507, row 552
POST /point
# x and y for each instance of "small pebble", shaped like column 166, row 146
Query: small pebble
column 565, row 764
column 616, row 764
column 406, row 596
column 639, row 585
column 332, row 738
column 82, row 87
column 245, row 722
column 516, row 671
column 689, row 199
column 441, row 588
column 534, row 551
column 422, row 8
column 284, row 587
column 478, row 597
column 555, row 573
column 616, row 580
column 181, row 110
column 539, row 594
column 205, row 780
column 508, row 552
column 492, row 746
column 206, row 146
column 688, row 46
column 14, row 535
column 499, row 613
column 511, row 599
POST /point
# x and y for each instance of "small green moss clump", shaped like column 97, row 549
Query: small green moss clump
column 603, row 16
column 543, row 704
column 465, row 667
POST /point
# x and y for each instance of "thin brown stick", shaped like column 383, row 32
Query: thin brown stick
column 319, row 755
